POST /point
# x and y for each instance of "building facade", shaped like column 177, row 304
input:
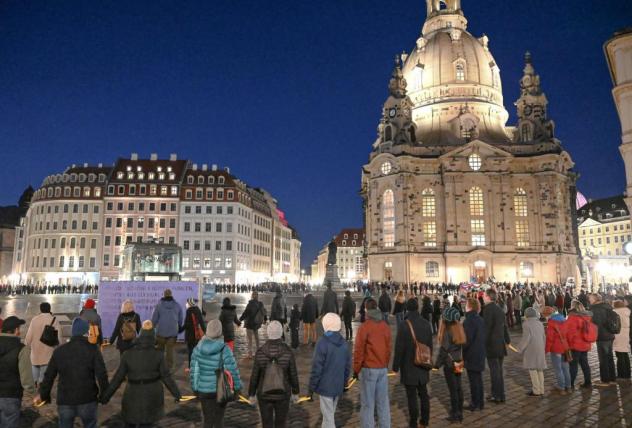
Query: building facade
column 618, row 52
column 604, row 230
column 80, row 223
column 452, row 194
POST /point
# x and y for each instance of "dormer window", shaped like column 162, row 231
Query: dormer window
column 172, row 176
column 161, row 176
column 459, row 72
column 220, row 180
column 130, row 175
column 151, row 175
column 120, row 175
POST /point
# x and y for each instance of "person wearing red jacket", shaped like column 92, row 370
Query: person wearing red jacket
column 556, row 345
column 578, row 316
column 371, row 355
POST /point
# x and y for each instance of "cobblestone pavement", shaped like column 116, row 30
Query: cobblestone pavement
column 606, row 407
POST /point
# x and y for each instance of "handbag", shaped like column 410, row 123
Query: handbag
column 50, row 336
column 423, row 354
column 567, row 354
column 225, row 385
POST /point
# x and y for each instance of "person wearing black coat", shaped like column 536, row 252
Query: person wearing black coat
column 605, row 339
column 278, row 310
column 474, row 353
column 146, row 371
column 274, row 407
column 348, row 314
column 330, row 301
column 295, row 322
column 496, row 341
column 83, row 377
column 436, row 314
column 309, row 313
column 249, row 316
column 127, row 315
column 228, row 318
column 414, row 378
column 385, row 305
column 193, row 319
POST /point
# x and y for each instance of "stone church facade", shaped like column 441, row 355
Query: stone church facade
column 452, row 194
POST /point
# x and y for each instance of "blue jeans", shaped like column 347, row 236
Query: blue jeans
column 328, row 409
column 10, row 412
column 86, row 412
column 38, row 373
column 374, row 393
column 385, row 316
column 562, row 371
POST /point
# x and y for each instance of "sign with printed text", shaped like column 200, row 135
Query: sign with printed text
column 144, row 294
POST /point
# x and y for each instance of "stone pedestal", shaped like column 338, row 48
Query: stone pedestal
column 331, row 277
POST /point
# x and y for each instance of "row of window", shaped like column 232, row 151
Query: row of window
column 74, row 225
column 199, row 194
column 140, row 222
column 208, row 209
column 173, row 207
column 617, row 239
column 49, row 262
column 85, row 208
column 140, row 175
column 107, row 240
column 476, row 211
column 196, row 263
column 607, row 229
column 208, row 227
column 142, row 190
column 209, row 180
column 75, row 192
column 72, row 243
column 186, row 245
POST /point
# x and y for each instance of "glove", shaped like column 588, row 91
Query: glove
column 355, row 376
column 253, row 400
column 294, row 398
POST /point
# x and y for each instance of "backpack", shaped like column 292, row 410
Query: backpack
column 93, row 334
column 613, row 322
column 273, row 379
column 423, row 354
column 128, row 329
column 259, row 315
column 589, row 332
column 199, row 333
column 50, row 336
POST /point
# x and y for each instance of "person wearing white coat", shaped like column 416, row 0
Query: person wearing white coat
column 41, row 353
column 621, row 344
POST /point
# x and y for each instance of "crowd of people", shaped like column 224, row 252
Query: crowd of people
column 462, row 331
column 25, row 289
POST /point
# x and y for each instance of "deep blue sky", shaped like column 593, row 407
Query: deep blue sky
column 287, row 93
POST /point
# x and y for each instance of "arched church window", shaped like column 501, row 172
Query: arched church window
column 477, row 221
column 521, row 212
column 459, row 71
column 418, row 77
column 428, row 212
column 388, row 218
column 527, row 134
column 526, row 269
column 413, row 137
column 388, row 134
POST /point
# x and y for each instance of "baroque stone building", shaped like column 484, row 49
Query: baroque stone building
column 451, row 193
column 81, row 222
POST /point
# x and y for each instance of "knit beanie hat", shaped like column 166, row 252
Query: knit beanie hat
column 90, row 304
column 275, row 330
column 331, row 322
column 80, row 327
column 531, row 313
column 451, row 314
column 214, row 329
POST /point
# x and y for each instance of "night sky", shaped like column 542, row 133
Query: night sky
column 286, row 93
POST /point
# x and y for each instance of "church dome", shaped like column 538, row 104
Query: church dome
column 449, row 74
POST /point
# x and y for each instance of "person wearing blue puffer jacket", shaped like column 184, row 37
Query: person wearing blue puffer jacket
column 205, row 360
column 331, row 358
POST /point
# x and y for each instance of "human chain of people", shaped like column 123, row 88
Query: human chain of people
column 457, row 334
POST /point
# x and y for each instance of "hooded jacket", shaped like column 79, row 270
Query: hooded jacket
column 574, row 330
column 228, row 318
column 373, row 343
column 167, row 317
column 205, row 360
column 600, row 318
column 15, row 367
column 556, row 339
column 331, row 365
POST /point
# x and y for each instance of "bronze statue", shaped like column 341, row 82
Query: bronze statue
column 333, row 250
